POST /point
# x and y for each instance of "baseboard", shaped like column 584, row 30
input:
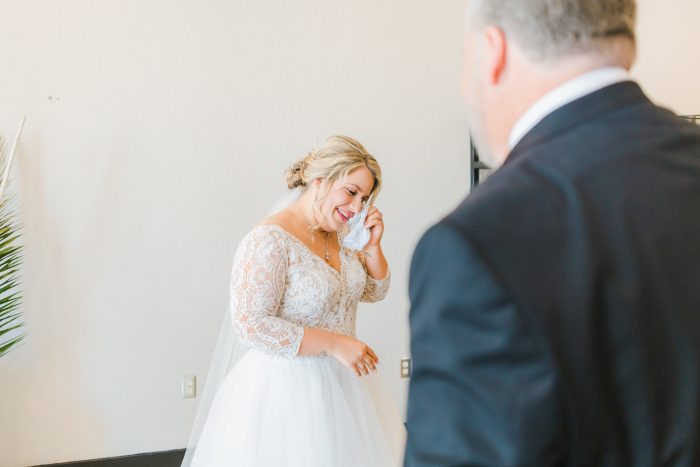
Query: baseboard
column 152, row 459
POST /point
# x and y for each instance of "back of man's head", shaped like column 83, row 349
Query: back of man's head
column 553, row 29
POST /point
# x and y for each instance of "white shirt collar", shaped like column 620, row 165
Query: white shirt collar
column 564, row 94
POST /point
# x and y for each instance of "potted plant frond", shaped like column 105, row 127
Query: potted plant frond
column 10, row 256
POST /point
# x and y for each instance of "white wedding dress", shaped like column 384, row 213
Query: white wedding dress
column 275, row 409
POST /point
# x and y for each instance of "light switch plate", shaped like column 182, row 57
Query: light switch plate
column 189, row 386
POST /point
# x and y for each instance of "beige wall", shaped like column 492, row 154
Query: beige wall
column 667, row 64
column 167, row 130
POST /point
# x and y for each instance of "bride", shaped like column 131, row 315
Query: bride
column 305, row 391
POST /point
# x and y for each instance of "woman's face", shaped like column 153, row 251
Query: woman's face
column 345, row 198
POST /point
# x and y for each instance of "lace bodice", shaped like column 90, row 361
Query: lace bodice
column 279, row 286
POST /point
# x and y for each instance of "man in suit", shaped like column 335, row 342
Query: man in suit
column 555, row 314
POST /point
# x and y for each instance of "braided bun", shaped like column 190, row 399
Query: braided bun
column 295, row 174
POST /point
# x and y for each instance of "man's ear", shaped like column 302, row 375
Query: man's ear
column 495, row 54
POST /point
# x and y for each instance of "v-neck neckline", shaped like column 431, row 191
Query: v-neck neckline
column 310, row 251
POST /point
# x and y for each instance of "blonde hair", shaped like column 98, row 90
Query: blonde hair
column 338, row 156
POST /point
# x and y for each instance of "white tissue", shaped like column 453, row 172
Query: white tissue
column 359, row 235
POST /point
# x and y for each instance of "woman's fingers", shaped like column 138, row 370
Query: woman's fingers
column 377, row 216
column 362, row 366
column 371, row 353
column 363, row 362
column 366, row 363
column 374, row 215
column 356, row 369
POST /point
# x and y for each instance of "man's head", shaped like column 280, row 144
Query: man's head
column 518, row 50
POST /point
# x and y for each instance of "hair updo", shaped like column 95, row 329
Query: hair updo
column 338, row 156
column 295, row 174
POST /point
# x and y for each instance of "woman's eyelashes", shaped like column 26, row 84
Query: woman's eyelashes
column 353, row 193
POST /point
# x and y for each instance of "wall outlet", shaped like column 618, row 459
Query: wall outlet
column 189, row 386
column 406, row 367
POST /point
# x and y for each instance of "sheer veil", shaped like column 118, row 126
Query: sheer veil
column 229, row 349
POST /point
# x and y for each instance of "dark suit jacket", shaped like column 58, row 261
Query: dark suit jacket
column 555, row 314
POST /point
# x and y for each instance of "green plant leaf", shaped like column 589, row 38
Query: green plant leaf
column 11, row 257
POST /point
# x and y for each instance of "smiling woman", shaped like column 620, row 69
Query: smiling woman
column 342, row 176
column 304, row 380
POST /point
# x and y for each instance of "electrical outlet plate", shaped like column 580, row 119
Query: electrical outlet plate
column 406, row 367
column 189, row 386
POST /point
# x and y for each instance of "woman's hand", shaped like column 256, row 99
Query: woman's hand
column 354, row 354
column 375, row 223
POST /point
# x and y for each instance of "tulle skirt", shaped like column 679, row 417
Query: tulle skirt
column 305, row 412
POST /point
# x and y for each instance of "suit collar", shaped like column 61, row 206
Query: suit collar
column 561, row 95
column 586, row 108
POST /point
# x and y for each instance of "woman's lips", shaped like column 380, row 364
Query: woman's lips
column 342, row 216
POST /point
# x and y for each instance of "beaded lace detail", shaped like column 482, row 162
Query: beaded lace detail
column 279, row 286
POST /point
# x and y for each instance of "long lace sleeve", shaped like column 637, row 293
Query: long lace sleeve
column 257, row 286
column 375, row 289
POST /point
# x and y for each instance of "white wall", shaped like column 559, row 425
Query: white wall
column 167, row 130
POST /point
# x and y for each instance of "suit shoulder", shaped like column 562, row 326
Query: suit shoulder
column 506, row 195
column 444, row 230
column 446, row 240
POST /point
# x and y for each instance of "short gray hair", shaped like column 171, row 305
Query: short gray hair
column 556, row 28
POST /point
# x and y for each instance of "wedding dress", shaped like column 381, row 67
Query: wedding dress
column 274, row 408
